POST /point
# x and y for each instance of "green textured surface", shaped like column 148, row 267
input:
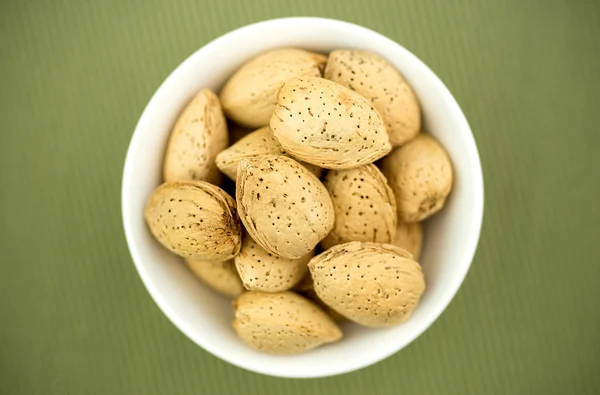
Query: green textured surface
column 76, row 75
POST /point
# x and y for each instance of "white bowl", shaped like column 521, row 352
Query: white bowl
column 451, row 236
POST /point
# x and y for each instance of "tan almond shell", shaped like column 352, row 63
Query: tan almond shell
column 282, row 323
column 377, row 80
column 195, row 219
column 364, row 205
column 321, row 122
column 261, row 270
column 198, row 135
column 221, row 276
column 420, row 174
column 283, row 206
column 257, row 143
column 375, row 285
column 409, row 237
column 249, row 96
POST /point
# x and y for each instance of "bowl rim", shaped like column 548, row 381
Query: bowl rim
column 371, row 358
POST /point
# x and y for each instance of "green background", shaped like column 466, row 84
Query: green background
column 76, row 75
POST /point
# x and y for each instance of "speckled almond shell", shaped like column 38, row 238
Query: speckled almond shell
column 220, row 276
column 284, row 207
column 249, row 96
column 375, row 285
column 260, row 142
column 282, row 323
column 409, row 237
column 261, row 270
column 198, row 135
column 364, row 205
column 420, row 174
column 377, row 80
column 195, row 219
column 324, row 123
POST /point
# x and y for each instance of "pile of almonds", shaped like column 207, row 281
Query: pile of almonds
column 318, row 232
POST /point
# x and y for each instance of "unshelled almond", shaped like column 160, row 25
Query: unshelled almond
column 377, row 80
column 282, row 323
column 324, row 123
column 284, row 207
column 261, row 270
column 365, row 207
column 198, row 135
column 375, row 285
column 257, row 143
column 249, row 96
column 195, row 219
column 420, row 174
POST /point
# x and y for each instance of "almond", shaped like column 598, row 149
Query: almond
column 375, row 285
column 220, row 276
column 198, row 135
column 284, row 207
column 195, row 219
column 260, row 142
column 261, row 270
column 364, row 205
column 328, row 125
column 420, row 174
column 282, row 323
column 249, row 96
column 409, row 237
column 377, row 80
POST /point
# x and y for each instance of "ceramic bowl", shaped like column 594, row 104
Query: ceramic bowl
column 451, row 236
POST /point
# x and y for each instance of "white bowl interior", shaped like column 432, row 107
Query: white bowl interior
column 205, row 317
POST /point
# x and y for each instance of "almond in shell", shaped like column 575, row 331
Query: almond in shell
column 282, row 323
column 261, row 270
column 195, row 219
column 376, row 79
column 284, row 207
column 249, row 96
column 420, row 174
column 257, row 143
column 198, row 135
column 375, row 285
column 324, row 123
column 365, row 207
